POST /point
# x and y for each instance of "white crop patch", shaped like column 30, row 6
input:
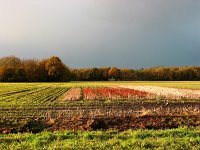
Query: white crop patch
column 169, row 93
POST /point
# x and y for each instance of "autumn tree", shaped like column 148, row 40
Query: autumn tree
column 9, row 68
column 21, row 75
column 10, row 62
column 104, row 71
column 56, row 70
column 127, row 74
column 2, row 73
column 113, row 73
column 41, row 72
column 30, row 66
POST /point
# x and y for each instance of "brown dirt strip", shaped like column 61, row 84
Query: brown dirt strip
column 119, row 123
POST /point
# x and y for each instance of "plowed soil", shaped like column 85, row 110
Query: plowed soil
column 100, row 117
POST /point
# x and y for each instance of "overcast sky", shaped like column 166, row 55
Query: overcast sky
column 95, row 33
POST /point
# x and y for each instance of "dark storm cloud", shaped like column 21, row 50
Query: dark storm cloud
column 90, row 33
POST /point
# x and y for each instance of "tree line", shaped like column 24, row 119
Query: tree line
column 186, row 73
column 14, row 69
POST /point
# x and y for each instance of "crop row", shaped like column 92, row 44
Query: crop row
column 106, row 110
column 132, row 93
column 104, row 93
column 113, row 93
column 168, row 93
column 34, row 96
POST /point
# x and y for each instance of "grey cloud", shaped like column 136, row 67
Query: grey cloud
column 128, row 33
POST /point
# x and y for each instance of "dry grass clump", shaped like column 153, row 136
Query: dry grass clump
column 73, row 94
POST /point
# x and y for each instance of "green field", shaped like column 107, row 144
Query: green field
column 31, row 93
column 39, row 108
column 177, row 139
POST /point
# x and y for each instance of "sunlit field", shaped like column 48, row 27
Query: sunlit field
column 100, row 115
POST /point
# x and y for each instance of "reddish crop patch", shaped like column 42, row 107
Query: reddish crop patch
column 113, row 93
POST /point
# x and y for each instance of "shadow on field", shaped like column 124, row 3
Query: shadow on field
column 145, row 122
